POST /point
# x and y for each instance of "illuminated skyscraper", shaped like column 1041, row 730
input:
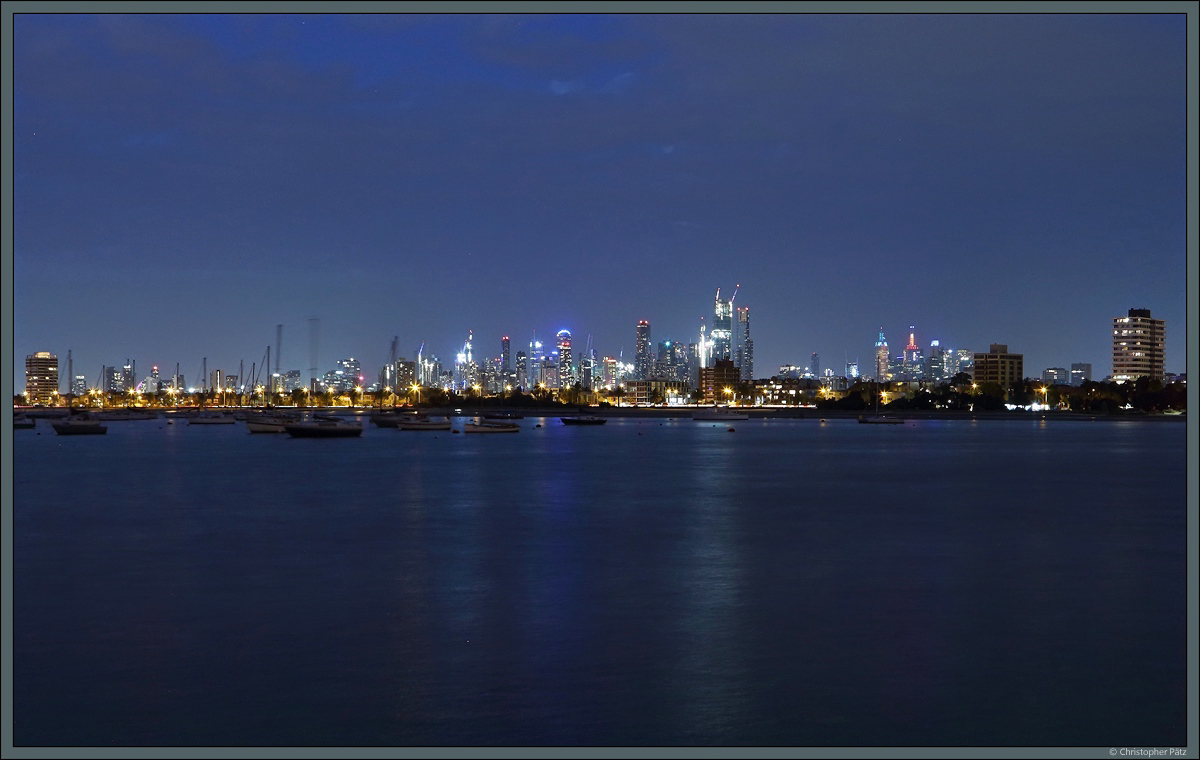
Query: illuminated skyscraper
column 566, row 371
column 1137, row 346
column 642, row 363
column 881, row 358
column 912, row 368
column 721, row 335
column 41, row 376
column 505, row 366
column 852, row 369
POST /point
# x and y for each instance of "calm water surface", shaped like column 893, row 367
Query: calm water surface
column 648, row 582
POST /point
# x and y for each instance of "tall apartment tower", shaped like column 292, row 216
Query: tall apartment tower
column 744, row 358
column 1137, row 346
column 505, row 364
column 881, row 358
column 41, row 376
column 643, row 365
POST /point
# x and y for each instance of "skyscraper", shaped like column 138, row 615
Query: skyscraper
column 41, row 376
column 913, row 369
column 721, row 335
column 1081, row 372
column 505, row 366
column 881, row 358
column 744, row 358
column 1137, row 346
column 815, row 364
column 642, row 363
column 566, row 371
column 522, row 377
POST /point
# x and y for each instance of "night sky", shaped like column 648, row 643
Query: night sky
column 184, row 183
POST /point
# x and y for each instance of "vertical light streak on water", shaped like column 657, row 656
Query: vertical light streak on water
column 709, row 679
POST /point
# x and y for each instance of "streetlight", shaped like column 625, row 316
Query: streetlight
column 728, row 394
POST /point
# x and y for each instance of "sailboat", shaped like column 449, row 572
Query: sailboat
column 877, row 418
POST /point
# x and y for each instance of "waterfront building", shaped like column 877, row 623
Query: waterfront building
column 216, row 379
column 719, row 382
column 1081, row 372
column 566, row 369
column 787, row 390
column 656, row 391
column 41, row 376
column 79, row 386
column 693, row 364
column 642, row 361
column 1137, row 346
column 1056, row 376
column 881, row 358
column 721, row 335
column 744, row 356
column 790, row 370
column 999, row 366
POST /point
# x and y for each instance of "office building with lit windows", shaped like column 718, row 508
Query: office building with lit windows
column 41, row 376
column 999, row 366
column 1137, row 346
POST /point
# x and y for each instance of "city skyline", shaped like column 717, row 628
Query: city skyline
column 426, row 176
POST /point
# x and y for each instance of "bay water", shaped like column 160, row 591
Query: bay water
column 646, row 582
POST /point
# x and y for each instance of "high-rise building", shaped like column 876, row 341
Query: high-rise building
column 466, row 373
column 1081, row 372
column 999, row 366
column 522, row 369
column 938, row 363
column 609, row 372
column 721, row 335
column 881, row 358
column 79, row 385
column 852, row 369
column 505, row 365
column 292, row 381
column 913, row 366
column 41, row 376
column 643, row 363
column 815, row 364
column 566, row 370
column 744, row 356
column 1137, row 346
column 351, row 373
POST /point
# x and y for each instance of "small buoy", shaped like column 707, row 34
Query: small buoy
column 453, row 431
column 821, row 420
column 731, row 430
column 538, row 425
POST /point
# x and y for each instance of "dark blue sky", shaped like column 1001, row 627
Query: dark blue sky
column 182, row 183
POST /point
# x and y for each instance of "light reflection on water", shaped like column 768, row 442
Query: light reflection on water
column 647, row 582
